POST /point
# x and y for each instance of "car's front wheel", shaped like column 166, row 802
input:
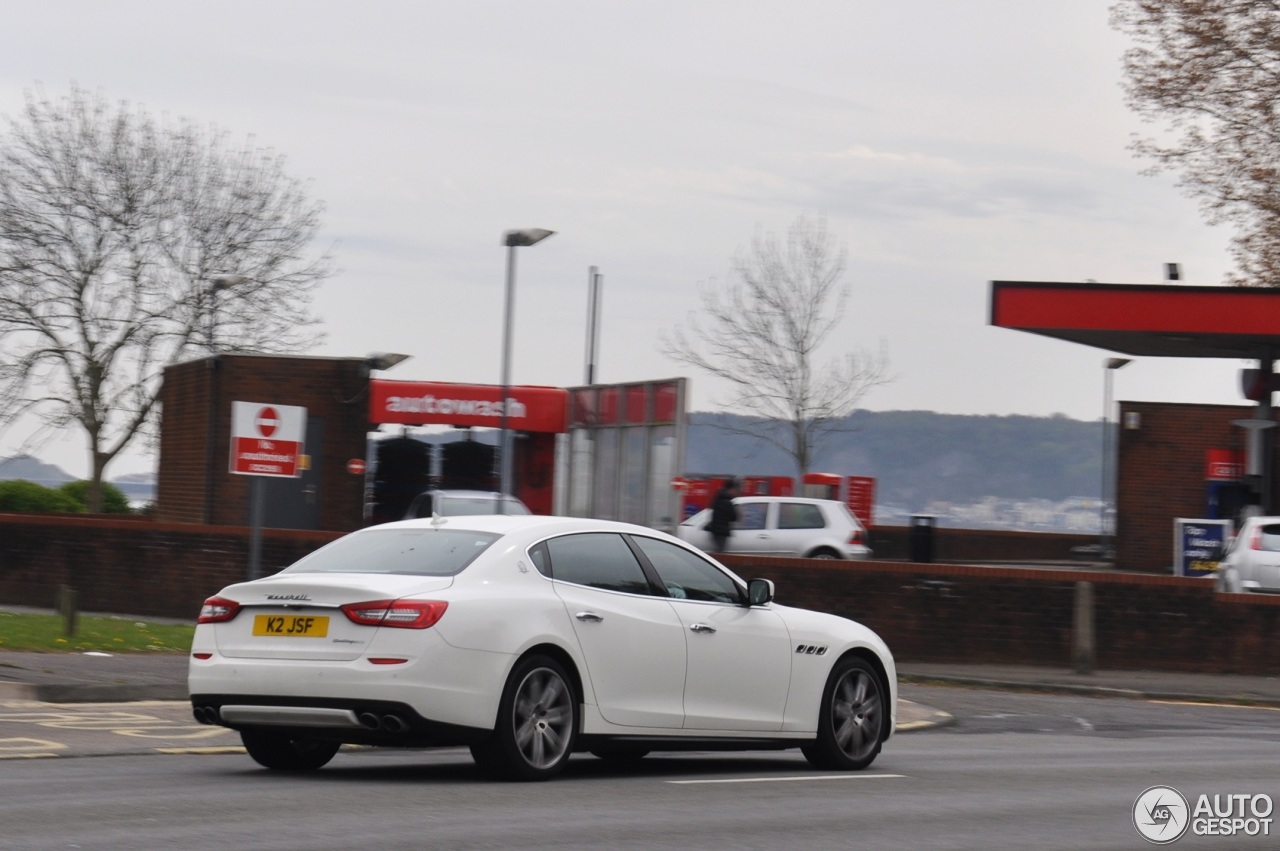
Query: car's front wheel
column 537, row 723
column 852, row 718
column 284, row 752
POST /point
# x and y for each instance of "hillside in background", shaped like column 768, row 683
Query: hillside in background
column 32, row 469
column 138, row 487
column 921, row 458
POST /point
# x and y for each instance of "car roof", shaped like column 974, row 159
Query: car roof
column 775, row 498
column 469, row 494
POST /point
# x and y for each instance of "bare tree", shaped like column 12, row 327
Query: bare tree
column 762, row 334
column 1209, row 71
column 126, row 245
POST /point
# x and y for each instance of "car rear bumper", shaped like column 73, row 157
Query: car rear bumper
column 456, row 687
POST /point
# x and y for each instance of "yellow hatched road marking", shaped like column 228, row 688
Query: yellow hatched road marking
column 22, row 748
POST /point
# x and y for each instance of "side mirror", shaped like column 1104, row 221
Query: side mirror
column 759, row 592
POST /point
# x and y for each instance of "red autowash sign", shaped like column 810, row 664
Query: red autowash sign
column 266, row 440
column 543, row 409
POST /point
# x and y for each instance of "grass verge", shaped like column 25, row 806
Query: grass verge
column 44, row 633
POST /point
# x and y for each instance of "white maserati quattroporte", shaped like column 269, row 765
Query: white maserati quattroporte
column 528, row 639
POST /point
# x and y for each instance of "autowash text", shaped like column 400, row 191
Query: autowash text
column 460, row 407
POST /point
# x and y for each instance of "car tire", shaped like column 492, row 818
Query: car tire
column 537, row 723
column 824, row 552
column 281, row 751
column 851, row 719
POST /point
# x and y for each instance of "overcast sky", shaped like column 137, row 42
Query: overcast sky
column 948, row 144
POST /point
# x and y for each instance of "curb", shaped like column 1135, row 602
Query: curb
column 69, row 693
column 914, row 716
column 1092, row 691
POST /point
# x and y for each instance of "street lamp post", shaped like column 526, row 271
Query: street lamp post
column 1109, row 366
column 217, row 284
column 512, row 239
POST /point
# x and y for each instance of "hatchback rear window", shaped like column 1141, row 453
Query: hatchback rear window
column 417, row 552
column 1269, row 537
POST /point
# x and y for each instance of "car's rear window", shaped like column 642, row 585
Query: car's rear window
column 1269, row 539
column 421, row 552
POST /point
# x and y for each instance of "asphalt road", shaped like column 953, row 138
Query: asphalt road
column 1014, row 771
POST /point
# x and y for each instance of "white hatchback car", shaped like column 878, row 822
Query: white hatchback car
column 1252, row 560
column 786, row 526
column 528, row 638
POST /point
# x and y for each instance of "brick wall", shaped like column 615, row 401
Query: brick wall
column 159, row 569
column 935, row 612
column 989, row 545
column 972, row 614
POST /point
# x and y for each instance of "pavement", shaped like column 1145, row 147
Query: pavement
column 126, row 677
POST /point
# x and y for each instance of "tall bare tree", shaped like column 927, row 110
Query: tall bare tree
column 127, row 244
column 1208, row 71
column 762, row 333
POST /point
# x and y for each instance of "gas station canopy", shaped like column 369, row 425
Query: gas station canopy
column 1146, row 320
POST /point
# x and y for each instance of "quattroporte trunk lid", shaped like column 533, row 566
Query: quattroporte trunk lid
column 298, row 616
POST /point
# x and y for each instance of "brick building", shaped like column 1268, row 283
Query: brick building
column 194, row 484
column 1161, row 475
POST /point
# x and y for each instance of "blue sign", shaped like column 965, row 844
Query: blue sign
column 1198, row 544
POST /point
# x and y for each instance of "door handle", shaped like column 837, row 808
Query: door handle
column 702, row 627
column 589, row 617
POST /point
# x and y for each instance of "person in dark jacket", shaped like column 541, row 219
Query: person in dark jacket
column 723, row 515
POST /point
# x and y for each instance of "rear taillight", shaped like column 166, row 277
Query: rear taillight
column 218, row 610
column 1255, row 540
column 857, row 538
column 405, row 614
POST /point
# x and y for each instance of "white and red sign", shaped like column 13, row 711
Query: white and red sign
column 266, row 439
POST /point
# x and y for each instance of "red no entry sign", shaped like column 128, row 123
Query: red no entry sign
column 266, row 440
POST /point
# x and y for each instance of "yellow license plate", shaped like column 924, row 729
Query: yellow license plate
column 291, row 626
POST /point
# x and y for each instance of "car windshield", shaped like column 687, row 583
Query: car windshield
column 455, row 506
column 420, row 552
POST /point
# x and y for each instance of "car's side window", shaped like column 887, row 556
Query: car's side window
column 541, row 561
column 686, row 575
column 599, row 560
column 751, row 515
column 799, row 515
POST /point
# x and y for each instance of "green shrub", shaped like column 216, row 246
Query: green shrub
column 113, row 499
column 21, row 495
